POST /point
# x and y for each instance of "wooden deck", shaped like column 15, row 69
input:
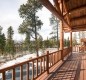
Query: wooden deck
column 74, row 68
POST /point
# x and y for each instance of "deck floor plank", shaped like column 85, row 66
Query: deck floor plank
column 74, row 68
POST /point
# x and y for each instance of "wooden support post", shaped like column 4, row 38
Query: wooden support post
column 71, row 40
column 47, row 63
column 61, row 30
column 61, row 39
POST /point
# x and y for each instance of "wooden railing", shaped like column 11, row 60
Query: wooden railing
column 32, row 69
column 66, row 51
column 54, row 58
column 76, row 48
column 79, row 48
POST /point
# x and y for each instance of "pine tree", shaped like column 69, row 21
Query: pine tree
column 31, row 23
column 10, row 48
column 2, row 41
column 54, row 22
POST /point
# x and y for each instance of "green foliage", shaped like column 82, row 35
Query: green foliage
column 31, row 23
column 66, row 42
column 32, row 47
column 40, row 42
column 49, row 43
column 27, row 41
column 10, row 48
column 54, row 22
column 1, row 30
column 46, row 43
column 74, row 41
column 10, row 33
column 28, row 13
column 2, row 43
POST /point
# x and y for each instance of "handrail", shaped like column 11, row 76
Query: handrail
column 36, row 66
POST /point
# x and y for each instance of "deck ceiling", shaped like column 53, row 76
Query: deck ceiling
column 71, row 12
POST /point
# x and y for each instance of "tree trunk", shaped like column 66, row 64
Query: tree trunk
column 36, row 42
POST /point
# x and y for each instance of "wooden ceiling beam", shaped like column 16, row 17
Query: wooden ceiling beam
column 76, row 18
column 74, row 9
column 66, row 9
column 78, row 26
column 77, row 8
column 78, row 29
column 57, row 5
column 51, row 8
column 67, row 0
column 66, row 30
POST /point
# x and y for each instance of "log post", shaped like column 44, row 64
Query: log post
column 61, row 31
column 71, row 40
column 61, row 39
column 47, row 63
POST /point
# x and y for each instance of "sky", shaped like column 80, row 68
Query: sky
column 9, row 16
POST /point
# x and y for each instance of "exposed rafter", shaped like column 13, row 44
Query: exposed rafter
column 77, row 18
column 79, row 26
column 75, row 9
column 50, row 7
column 79, row 29
column 66, row 9
column 57, row 5
column 67, row 0
column 68, row 14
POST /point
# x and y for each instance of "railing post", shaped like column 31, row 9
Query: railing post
column 62, row 55
column 3, row 76
column 47, row 63
column 13, row 74
column 21, row 72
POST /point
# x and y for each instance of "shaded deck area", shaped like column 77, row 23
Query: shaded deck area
column 74, row 68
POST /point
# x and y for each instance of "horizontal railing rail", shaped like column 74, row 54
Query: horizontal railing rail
column 54, row 58
column 33, row 68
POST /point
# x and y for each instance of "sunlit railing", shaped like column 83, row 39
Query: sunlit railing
column 32, row 69
column 76, row 48
column 79, row 48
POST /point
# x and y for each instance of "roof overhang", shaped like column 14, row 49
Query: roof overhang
column 71, row 12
